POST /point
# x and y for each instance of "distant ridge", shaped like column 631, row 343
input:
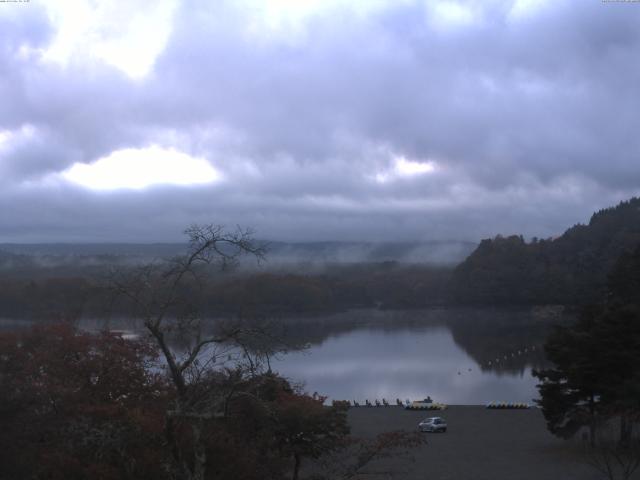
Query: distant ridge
column 80, row 249
column 278, row 253
column 570, row 269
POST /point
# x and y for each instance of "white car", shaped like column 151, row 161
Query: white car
column 433, row 424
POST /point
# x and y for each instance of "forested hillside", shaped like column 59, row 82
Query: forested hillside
column 570, row 269
column 41, row 296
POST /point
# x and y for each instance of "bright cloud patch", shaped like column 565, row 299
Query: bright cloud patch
column 139, row 168
column 451, row 14
column 407, row 168
column 4, row 137
column 117, row 33
column 9, row 139
column 403, row 168
column 523, row 8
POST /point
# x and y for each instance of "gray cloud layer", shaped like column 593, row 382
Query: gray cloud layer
column 532, row 123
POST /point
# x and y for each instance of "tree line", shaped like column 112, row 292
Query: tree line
column 336, row 288
column 76, row 405
column 569, row 270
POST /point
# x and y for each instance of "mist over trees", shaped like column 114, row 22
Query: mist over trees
column 100, row 406
column 184, row 401
column 569, row 270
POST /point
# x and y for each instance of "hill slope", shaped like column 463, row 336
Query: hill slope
column 571, row 269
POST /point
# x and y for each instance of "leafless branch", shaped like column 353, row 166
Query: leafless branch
column 156, row 292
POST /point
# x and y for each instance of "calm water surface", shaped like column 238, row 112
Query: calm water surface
column 408, row 363
column 456, row 356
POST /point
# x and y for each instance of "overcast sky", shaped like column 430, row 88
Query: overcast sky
column 315, row 119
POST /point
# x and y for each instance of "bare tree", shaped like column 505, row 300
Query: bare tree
column 163, row 296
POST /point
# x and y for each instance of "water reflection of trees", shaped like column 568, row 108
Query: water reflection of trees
column 500, row 340
column 504, row 340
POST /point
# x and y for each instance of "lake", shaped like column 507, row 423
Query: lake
column 453, row 355
column 456, row 356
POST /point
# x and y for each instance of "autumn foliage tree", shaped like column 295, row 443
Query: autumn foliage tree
column 77, row 405
column 188, row 400
column 305, row 428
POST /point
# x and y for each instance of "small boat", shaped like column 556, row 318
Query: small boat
column 426, row 404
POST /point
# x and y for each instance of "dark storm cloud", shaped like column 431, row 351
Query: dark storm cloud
column 531, row 121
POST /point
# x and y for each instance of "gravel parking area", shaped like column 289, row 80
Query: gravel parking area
column 480, row 444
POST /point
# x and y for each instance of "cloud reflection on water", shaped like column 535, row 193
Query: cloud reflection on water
column 404, row 363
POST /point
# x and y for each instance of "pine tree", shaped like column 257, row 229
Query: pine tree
column 596, row 373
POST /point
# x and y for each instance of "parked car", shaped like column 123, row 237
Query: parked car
column 433, row 424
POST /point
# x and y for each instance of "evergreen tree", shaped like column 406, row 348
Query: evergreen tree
column 571, row 391
column 596, row 373
column 570, row 269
